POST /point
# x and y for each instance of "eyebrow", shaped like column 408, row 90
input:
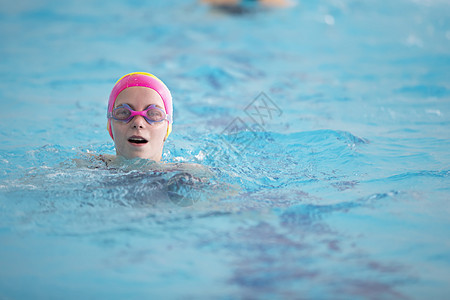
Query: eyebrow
column 158, row 106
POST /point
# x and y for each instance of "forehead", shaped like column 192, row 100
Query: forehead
column 139, row 97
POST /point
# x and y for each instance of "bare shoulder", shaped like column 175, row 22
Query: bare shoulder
column 196, row 170
column 91, row 160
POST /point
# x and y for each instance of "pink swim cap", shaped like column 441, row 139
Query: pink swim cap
column 145, row 80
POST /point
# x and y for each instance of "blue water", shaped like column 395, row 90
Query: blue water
column 338, row 189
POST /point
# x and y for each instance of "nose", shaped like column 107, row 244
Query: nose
column 138, row 122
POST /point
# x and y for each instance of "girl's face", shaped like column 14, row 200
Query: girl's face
column 138, row 138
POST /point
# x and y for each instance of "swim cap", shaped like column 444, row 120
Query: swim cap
column 145, row 80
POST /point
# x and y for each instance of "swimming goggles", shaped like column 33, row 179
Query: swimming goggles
column 151, row 114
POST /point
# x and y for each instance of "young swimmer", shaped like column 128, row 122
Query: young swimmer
column 140, row 117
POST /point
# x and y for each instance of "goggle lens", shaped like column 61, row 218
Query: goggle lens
column 121, row 113
column 156, row 115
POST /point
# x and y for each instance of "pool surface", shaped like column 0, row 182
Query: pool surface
column 326, row 126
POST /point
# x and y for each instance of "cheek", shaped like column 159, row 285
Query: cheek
column 159, row 132
column 118, row 130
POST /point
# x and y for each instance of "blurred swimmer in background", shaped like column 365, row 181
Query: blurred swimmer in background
column 246, row 6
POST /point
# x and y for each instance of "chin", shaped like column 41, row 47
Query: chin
column 145, row 152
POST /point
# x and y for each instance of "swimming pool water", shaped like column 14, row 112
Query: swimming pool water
column 337, row 190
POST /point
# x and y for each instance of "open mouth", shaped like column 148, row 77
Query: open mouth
column 137, row 140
